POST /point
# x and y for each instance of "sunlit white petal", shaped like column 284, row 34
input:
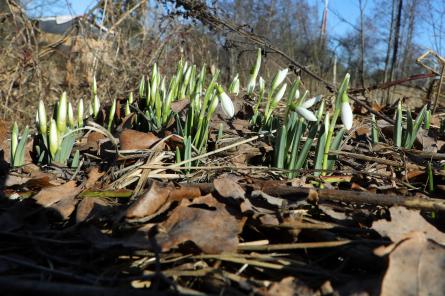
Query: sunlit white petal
column 53, row 138
column 310, row 102
column 42, row 118
column 279, row 78
column 306, row 114
column 226, row 103
column 346, row 115
column 279, row 95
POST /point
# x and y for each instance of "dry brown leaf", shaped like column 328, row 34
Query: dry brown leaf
column 228, row 188
column 178, row 106
column 134, row 140
column 93, row 140
column 149, row 202
column 416, row 267
column 60, row 198
column 93, row 176
column 205, row 222
column 403, row 222
column 89, row 207
column 288, row 286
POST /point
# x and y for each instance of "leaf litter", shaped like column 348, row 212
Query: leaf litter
column 230, row 223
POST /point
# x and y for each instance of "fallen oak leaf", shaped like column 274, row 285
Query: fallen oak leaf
column 416, row 267
column 59, row 198
column 228, row 188
column 134, row 140
column 94, row 175
column 205, row 222
column 90, row 207
column 159, row 197
column 404, row 221
column 148, row 203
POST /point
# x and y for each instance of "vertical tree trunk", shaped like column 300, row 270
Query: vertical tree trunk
column 390, row 42
column 396, row 41
column 362, row 44
column 409, row 36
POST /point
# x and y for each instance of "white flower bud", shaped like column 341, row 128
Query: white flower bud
column 53, row 138
column 346, row 115
column 41, row 115
column 226, row 103
column 279, row 78
column 62, row 113
column 279, row 95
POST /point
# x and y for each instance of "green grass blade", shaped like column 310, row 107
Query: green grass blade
column 398, row 127
column 19, row 154
column 335, row 146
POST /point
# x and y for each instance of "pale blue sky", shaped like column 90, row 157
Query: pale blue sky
column 347, row 9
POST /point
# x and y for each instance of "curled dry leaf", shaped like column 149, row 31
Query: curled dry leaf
column 416, row 267
column 157, row 197
column 205, row 222
column 134, row 140
column 94, row 139
column 93, row 176
column 403, row 222
column 149, row 202
column 228, row 188
column 89, row 207
column 59, row 198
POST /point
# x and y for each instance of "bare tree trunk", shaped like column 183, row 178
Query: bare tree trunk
column 362, row 44
column 396, row 41
column 409, row 36
column 390, row 41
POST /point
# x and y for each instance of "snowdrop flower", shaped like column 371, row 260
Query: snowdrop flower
column 254, row 73
column 226, row 103
column 41, row 115
column 213, row 104
column 346, row 113
column 53, row 138
column 279, row 78
column 306, row 114
column 302, row 109
column 14, row 139
column 262, row 84
column 310, row 102
column 234, row 86
column 279, row 95
column 61, row 113
column 70, row 115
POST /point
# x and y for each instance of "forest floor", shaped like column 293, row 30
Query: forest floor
column 138, row 224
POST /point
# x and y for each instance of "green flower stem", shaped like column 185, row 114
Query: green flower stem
column 329, row 140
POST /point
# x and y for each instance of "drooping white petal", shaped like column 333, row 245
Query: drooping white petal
column 226, row 103
column 346, row 115
column 310, row 102
column 279, row 95
column 306, row 114
column 279, row 78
